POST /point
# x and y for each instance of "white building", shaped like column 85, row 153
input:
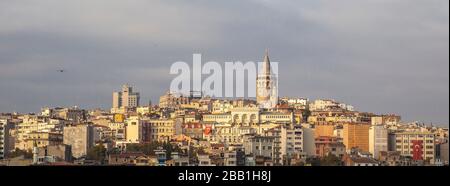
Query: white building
column 249, row 116
column 33, row 123
column 294, row 101
column 378, row 140
column 346, row 107
column 322, row 104
column 4, row 137
column 134, row 130
column 259, row 145
column 298, row 103
column 289, row 142
column 277, row 117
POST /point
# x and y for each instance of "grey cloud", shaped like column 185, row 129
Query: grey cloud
column 381, row 56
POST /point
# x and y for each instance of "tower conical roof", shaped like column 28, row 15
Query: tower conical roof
column 266, row 63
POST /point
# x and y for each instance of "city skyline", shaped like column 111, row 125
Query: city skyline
column 395, row 62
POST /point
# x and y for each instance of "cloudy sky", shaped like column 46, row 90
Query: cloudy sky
column 382, row 56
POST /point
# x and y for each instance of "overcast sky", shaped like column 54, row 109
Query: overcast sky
column 381, row 56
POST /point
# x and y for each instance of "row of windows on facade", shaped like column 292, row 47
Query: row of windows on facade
column 263, row 147
column 217, row 117
column 296, row 143
column 416, row 136
column 162, row 130
column 161, row 124
column 296, row 149
column 156, row 124
column 262, row 140
column 411, row 141
column 245, row 117
column 411, row 152
column 412, row 146
column 278, row 117
column 224, row 139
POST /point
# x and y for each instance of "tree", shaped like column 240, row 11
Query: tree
column 97, row 152
column 149, row 148
column 146, row 148
column 312, row 161
column 306, row 114
column 27, row 154
column 171, row 148
column 330, row 160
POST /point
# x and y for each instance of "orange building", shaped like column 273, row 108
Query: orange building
column 323, row 130
column 326, row 145
column 356, row 135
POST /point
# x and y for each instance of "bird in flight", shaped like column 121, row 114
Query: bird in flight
column 61, row 70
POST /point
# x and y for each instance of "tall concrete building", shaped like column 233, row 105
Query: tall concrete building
column 80, row 138
column 356, row 135
column 5, row 125
column 125, row 98
column 309, row 146
column 291, row 143
column 266, row 86
column 378, row 140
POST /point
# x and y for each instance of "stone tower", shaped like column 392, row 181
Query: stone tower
column 266, row 86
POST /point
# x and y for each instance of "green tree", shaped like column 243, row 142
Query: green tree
column 27, row 154
column 146, row 148
column 97, row 152
column 313, row 161
column 330, row 160
column 306, row 114
column 149, row 148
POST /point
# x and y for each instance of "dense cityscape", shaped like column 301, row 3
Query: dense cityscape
column 197, row 130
